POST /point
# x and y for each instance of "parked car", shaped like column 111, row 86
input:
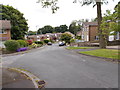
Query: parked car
column 49, row 43
column 61, row 43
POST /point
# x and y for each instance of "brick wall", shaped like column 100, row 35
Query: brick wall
column 93, row 31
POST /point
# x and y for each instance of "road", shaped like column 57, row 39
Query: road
column 62, row 68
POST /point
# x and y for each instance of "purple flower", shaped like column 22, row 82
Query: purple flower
column 22, row 49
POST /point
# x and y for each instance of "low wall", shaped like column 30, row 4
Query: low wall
column 111, row 43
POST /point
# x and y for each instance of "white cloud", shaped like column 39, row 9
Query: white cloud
column 68, row 11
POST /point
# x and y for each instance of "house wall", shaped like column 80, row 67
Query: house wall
column 93, row 32
column 6, row 35
column 85, row 33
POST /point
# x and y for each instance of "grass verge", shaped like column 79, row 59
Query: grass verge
column 107, row 53
column 72, row 47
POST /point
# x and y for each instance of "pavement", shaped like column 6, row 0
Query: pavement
column 113, row 47
column 62, row 68
column 13, row 79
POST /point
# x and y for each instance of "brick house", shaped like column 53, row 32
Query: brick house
column 89, row 31
column 5, row 30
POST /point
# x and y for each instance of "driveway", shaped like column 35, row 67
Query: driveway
column 62, row 68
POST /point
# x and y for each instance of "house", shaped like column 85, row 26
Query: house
column 89, row 31
column 41, row 37
column 5, row 30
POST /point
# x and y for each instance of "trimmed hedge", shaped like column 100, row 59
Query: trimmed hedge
column 22, row 43
column 12, row 45
column 46, row 40
column 39, row 42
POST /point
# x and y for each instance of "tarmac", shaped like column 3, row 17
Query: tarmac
column 14, row 79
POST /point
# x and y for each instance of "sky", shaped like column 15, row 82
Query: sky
column 38, row 17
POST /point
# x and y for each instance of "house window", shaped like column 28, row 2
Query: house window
column 3, row 31
column 96, row 37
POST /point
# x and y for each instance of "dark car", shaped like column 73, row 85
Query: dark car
column 61, row 43
column 49, row 43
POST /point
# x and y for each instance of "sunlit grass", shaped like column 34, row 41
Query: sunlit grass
column 107, row 53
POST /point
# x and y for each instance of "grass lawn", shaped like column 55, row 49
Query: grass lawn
column 107, row 53
column 72, row 47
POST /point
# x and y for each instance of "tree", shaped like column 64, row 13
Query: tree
column 110, row 24
column 66, row 37
column 18, row 22
column 61, row 28
column 74, row 27
column 32, row 33
column 54, row 7
column 46, row 29
column 57, row 29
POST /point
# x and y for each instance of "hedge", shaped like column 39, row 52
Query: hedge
column 12, row 45
column 39, row 42
column 23, row 43
column 46, row 40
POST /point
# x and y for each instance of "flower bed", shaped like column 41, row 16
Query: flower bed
column 22, row 49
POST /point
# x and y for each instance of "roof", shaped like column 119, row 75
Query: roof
column 5, row 24
column 90, row 23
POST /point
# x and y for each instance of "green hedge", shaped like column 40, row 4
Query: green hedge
column 39, row 42
column 22, row 43
column 12, row 45
column 46, row 40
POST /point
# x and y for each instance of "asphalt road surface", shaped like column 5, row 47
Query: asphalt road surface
column 62, row 68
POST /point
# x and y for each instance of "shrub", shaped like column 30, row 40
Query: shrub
column 66, row 37
column 34, row 45
column 38, row 42
column 12, row 45
column 22, row 43
column 46, row 40
column 30, row 42
column 72, row 40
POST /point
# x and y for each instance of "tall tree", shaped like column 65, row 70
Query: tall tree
column 18, row 22
column 110, row 23
column 32, row 33
column 74, row 27
column 46, row 29
column 54, row 7
column 61, row 28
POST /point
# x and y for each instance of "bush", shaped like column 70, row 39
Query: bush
column 22, row 43
column 66, row 37
column 38, row 42
column 33, row 45
column 30, row 42
column 12, row 45
column 72, row 41
column 46, row 40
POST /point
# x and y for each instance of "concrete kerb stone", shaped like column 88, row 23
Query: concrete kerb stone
column 32, row 77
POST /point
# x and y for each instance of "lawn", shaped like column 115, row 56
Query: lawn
column 107, row 53
column 71, row 47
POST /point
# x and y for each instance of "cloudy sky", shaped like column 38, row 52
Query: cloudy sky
column 38, row 17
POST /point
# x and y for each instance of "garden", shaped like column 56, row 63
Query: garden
column 12, row 46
